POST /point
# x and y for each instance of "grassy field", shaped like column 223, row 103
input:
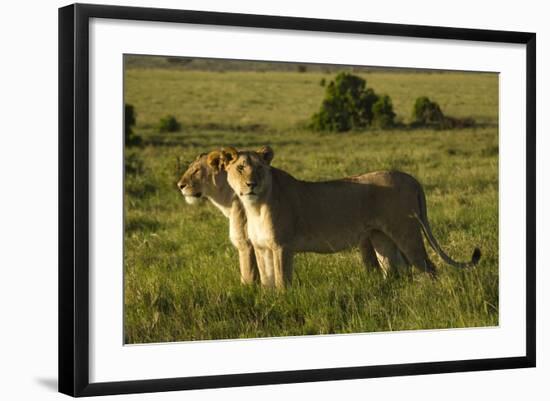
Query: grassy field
column 181, row 272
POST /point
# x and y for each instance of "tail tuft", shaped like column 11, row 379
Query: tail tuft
column 476, row 256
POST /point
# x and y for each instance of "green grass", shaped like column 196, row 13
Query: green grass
column 181, row 272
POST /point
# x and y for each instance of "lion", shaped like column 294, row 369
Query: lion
column 205, row 180
column 286, row 215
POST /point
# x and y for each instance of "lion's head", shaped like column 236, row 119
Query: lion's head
column 248, row 172
column 202, row 177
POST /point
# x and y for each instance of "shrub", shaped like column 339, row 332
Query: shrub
column 302, row 68
column 323, row 82
column 169, row 124
column 426, row 112
column 130, row 138
column 348, row 104
column 382, row 111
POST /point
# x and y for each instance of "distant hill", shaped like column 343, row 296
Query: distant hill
column 221, row 65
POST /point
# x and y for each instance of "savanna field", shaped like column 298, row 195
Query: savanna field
column 181, row 273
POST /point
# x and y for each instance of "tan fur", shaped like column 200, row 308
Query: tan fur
column 206, row 179
column 286, row 215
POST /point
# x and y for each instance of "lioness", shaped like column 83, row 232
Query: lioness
column 204, row 179
column 286, row 215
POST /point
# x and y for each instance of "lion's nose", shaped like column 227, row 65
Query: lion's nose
column 180, row 185
column 251, row 184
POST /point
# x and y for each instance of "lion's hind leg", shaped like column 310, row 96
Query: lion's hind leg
column 368, row 255
column 379, row 251
column 409, row 240
column 389, row 257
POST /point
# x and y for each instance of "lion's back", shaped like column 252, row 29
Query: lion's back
column 386, row 178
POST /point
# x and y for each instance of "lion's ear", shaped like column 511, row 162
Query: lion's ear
column 215, row 160
column 199, row 156
column 229, row 155
column 266, row 153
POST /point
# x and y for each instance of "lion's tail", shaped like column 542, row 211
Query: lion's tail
column 423, row 220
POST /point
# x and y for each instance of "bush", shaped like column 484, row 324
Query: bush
column 130, row 138
column 383, row 114
column 426, row 112
column 348, row 104
column 169, row 124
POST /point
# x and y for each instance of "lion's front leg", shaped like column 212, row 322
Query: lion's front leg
column 239, row 238
column 247, row 264
column 282, row 266
column 265, row 266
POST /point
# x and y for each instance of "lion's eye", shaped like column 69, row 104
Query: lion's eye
column 240, row 168
column 195, row 172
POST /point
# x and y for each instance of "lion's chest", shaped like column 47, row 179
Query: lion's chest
column 260, row 230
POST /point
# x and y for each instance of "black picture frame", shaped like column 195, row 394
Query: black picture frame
column 74, row 198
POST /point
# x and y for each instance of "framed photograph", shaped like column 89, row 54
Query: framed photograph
column 250, row 199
